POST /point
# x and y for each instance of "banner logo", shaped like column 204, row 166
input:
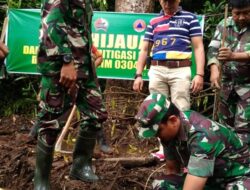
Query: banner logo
column 139, row 25
column 101, row 24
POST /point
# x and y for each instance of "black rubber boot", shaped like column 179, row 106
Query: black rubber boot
column 102, row 142
column 82, row 157
column 44, row 158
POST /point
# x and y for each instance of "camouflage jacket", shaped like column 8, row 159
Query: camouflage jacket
column 234, row 74
column 208, row 149
column 65, row 29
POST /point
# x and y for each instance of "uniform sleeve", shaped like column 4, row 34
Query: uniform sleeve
column 204, row 148
column 247, row 47
column 55, row 28
column 215, row 44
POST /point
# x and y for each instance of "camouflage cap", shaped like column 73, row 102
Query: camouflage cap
column 151, row 112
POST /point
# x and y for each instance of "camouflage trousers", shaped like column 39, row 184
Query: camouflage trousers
column 56, row 105
column 235, row 112
column 176, row 182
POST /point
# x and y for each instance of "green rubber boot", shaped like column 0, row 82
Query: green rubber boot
column 82, row 157
column 44, row 158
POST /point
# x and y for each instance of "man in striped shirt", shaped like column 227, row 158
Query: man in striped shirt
column 171, row 36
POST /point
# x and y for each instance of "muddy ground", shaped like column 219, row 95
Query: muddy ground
column 17, row 159
column 17, row 154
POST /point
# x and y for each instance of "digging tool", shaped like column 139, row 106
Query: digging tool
column 58, row 146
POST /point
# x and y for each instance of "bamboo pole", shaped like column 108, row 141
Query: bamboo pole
column 217, row 92
column 225, row 26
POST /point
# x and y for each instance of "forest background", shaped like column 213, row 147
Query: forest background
column 19, row 105
column 18, row 91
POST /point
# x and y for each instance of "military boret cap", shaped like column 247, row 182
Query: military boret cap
column 150, row 114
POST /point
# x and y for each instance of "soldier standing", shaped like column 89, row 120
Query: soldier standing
column 234, row 58
column 68, row 77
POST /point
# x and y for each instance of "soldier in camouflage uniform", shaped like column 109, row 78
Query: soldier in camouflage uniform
column 215, row 157
column 64, row 61
column 234, row 59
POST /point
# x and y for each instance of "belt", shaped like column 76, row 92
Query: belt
column 171, row 64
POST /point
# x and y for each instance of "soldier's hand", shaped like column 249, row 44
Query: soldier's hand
column 138, row 84
column 68, row 75
column 225, row 54
column 214, row 76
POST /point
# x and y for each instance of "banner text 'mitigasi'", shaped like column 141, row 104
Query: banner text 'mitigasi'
column 120, row 51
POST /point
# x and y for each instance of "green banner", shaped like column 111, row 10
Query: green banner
column 22, row 40
column 118, row 35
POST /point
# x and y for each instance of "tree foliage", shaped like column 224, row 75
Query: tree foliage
column 214, row 12
column 101, row 5
column 18, row 91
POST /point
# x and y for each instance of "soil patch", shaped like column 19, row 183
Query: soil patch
column 17, row 160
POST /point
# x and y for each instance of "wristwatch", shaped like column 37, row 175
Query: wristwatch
column 67, row 58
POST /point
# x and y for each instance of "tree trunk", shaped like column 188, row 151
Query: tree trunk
column 134, row 6
column 121, row 101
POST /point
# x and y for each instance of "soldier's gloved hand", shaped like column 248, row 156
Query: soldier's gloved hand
column 68, row 75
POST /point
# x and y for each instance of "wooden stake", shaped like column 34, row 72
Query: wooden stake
column 4, row 29
column 225, row 26
column 217, row 92
column 58, row 146
column 130, row 162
